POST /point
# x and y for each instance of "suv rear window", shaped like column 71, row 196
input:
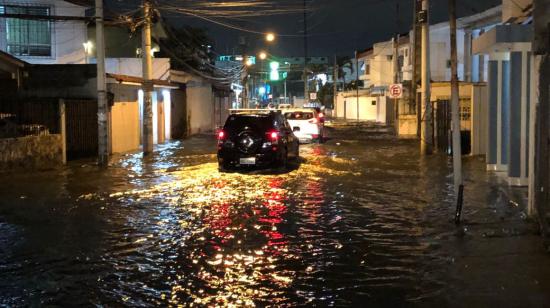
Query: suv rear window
column 256, row 123
column 299, row 115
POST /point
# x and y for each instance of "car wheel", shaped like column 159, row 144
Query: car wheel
column 223, row 167
column 283, row 162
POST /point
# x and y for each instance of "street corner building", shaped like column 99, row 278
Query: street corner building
column 48, row 78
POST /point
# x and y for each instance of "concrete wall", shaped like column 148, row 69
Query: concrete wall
column 440, row 52
column 480, row 108
column 125, row 130
column 407, row 126
column 179, row 114
column 200, row 108
column 222, row 105
column 134, row 67
column 340, row 107
column 32, row 152
column 67, row 37
column 371, row 108
column 60, row 81
column 125, row 120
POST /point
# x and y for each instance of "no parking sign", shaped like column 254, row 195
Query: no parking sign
column 396, row 90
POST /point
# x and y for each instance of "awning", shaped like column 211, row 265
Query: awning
column 138, row 81
column 504, row 38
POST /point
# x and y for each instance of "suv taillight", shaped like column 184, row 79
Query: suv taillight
column 273, row 137
column 221, row 135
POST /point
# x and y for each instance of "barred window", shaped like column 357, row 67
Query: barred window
column 28, row 37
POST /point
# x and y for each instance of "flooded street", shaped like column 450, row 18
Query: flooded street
column 361, row 219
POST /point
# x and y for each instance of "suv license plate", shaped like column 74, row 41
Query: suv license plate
column 248, row 161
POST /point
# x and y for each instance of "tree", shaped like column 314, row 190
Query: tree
column 325, row 95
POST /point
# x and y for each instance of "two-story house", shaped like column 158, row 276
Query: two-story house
column 512, row 75
column 42, row 41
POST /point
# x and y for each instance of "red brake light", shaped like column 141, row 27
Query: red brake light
column 221, row 135
column 273, row 137
column 321, row 115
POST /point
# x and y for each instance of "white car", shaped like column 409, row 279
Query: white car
column 305, row 124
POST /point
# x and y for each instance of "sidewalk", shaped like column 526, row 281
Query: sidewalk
column 497, row 255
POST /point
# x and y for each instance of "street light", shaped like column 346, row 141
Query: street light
column 262, row 55
column 87, row 50
column 270, row 37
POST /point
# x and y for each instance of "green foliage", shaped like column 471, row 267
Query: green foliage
column 325, row 95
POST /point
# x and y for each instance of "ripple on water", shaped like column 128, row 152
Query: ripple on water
column 333, row 231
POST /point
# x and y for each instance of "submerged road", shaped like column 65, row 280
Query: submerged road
column 361, row 219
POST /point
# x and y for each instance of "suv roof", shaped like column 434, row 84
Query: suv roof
column 253, row 121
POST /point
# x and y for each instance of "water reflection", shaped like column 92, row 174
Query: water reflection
column 172, row 230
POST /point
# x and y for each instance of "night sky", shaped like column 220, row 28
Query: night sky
column 335, row 26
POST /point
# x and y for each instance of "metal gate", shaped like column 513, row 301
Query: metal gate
column 31, row 117
column 443, row 126
column 81, row 128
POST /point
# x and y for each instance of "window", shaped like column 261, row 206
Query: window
column 367, row 69
column 373, row 103
column 299, row 115
column 27, row 37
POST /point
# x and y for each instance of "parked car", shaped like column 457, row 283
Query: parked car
column 306, row 124
column 260, row 138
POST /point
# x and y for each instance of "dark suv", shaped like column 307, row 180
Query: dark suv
column 256, row 139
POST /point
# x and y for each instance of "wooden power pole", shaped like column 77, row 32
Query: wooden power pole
column 102, row 105
column 426, row 138
column 147, row 80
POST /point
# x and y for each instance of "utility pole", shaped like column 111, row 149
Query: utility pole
column 244, row 81
column 335, row 86
column 357, row 81
column 147, row 80
column 102, row 105
column 286, row 101
column 455, row 104
column 306, row 86
column 395, row 63
column 426, row 138
column 416, row 78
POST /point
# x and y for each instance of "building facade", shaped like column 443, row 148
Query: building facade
column 42, row 41
column 511, row 92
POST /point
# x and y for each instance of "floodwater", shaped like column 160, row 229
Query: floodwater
column 359, row 220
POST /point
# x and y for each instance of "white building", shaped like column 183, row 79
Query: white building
column 42, row 41
column 512, row 77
